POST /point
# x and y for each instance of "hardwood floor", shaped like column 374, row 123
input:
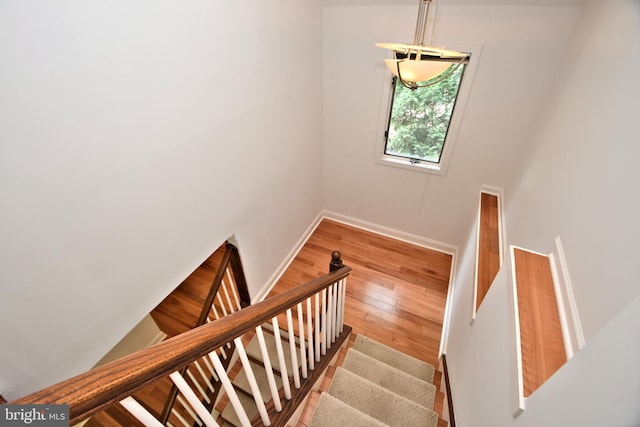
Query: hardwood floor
column 396, row 292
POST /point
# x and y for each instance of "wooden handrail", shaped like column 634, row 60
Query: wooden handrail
column 447, row 384
column 94, row 390
column 238, row 273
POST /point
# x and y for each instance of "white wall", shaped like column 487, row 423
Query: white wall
column 578, row 179
column 505, row 97
column 135, row 137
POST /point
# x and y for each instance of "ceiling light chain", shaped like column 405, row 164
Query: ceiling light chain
column 421, row 23
column 435, row 21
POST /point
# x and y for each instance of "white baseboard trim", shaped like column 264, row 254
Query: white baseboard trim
column 264, row 291
column 519, row 402
column 567, row 306
column 446, row 320
column 391, row 232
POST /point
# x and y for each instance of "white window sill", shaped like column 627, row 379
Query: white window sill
column 403, row 163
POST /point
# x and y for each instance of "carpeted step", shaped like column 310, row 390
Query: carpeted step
column 331, row 412
column 395, row 358
column 241, row 381
column 378, row 402
column 229, row 414
column 395, row 380
column 253, row 351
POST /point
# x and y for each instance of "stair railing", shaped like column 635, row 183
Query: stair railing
column 229, row 278
column 116, row 382
column 228, row 293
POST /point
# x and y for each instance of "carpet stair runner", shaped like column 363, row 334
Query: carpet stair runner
column 375, row 386
column 378, row 386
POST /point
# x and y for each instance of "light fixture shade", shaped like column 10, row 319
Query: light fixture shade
column 407, row 64
column 415, row 70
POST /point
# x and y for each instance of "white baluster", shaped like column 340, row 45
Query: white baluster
column 344, row 302
column 193, row 400
column 228, row 388
column 329, row 316
column 266, row 359
column 324, row 322
column 292, row 349
column 226, row 294
column 180, row 418
column 138, row 411
column 224, row 309
column 210, row 368
column 198, row 386
column 189, row 410
column 233, row 288
column 303, row 345
column 310, row 334
column 281, row 360
column 255, row 390
column 336, row 319
column 334, row 326
column 317, row 328
column 204, row 376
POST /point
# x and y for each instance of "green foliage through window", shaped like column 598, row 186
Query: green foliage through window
column 419, row 119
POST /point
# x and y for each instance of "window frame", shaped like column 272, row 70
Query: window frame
column 424, row 166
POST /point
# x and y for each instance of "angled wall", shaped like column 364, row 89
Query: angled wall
column 135, row 137
column 577, row 179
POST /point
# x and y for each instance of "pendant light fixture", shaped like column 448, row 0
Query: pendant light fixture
column 418, row 62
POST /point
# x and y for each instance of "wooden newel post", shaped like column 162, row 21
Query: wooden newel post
column 336, row 261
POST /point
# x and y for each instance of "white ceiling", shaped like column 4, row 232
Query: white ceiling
column 468, row 2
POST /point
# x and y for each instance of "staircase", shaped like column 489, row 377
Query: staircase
column 374, row 386
column 278, row 368
column 378, row 386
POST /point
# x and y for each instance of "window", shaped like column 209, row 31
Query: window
column 420, row 125
column 419, row 119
